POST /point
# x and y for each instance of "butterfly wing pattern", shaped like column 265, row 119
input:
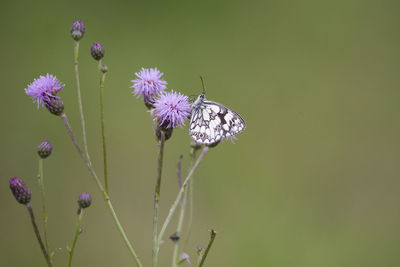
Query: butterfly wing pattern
column 212, row 122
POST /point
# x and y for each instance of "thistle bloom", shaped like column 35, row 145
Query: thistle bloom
column 172, row 109
column 148, row 84
column 44, row 89
column 20, row 191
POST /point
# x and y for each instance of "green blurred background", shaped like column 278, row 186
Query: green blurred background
column 314, row 179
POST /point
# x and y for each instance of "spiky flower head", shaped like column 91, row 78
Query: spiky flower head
column 172, row 109
column 77, row 30
column 149, row 85
column 97, row 51
column 20, row 191
column 84, row 200
column 44, row 149
column 44, row 89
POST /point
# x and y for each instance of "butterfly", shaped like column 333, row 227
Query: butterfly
column 212, row 122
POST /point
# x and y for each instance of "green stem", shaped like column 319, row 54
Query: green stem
column 179, row 196
column 102, row 80
column 178, row 230
column 36, row 230
column 157, row 198
column 101, row 188
column 44, row 213
column 212, row 238
column 182, row 216
column 77, row 232
column 78, row 88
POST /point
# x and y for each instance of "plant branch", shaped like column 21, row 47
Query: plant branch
column 101, row 188
column 212, row 238
column 44, row 213
column 157, row 198
column 78, row 88
column 36, row 230
column 77, row 232
column 102, row 80
column 179, row 196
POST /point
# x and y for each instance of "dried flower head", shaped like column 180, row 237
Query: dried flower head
column 97, row 51
column 77, row 30
column 84, row 200
column 44, row 89
column 172, row 109
column 149, row 85
column 20, row 191
column 44, row 149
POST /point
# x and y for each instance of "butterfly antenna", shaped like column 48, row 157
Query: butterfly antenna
column 202, row 83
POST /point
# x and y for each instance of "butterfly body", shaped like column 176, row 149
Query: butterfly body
column 212, row 122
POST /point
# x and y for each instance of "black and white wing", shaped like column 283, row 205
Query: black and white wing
column 212, row 122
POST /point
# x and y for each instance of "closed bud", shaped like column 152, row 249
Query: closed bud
column 104, row 69
column 84, row 200
column 97, row 51
column 44, row 149
column 20, row 191
column 77, row 30
column 55, row 105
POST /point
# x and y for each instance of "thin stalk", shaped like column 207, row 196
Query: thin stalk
column 157, row 198
column 101, row 188
column 44, row 213
column 212, row 238
column 178, row 230
column 179, row 196
column 78, row 88
column 193, row 153
column 182, row 215
column 102, row 80
column 77, row 232
column 36, row 230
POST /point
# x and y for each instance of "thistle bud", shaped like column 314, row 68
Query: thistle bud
column 104, row 69
column 174, row 237
column 97, row 51
column 77, row 30
column 44, row 149
column 84, row 200
column 55, row 105
column 20, row 191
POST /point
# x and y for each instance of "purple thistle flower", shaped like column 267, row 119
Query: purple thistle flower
column 20, row 191
column 148, row 84
column 44, row 88
column 172, row 109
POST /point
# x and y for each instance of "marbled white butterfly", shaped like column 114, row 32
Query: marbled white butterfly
column 212, row 122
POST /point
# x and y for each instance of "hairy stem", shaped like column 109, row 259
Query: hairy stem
column 179, row 196
column 101, row 188
column 78, row 88
column 36, row 230
column 44, row 213
column 77, row 232
column 157, row 198
column 212, row 238
column 102, row 80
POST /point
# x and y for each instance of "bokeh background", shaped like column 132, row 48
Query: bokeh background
column 314, row 179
